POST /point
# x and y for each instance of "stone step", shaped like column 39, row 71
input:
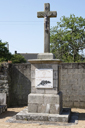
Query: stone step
column 63, row 117
column 3, row 108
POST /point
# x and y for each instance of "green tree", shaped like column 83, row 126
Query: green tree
column 17, row 58
column 5, row 55
column 68, row 38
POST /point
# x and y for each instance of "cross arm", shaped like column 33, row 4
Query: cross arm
column 49, row 14
column 52, row 14
column 40, row 14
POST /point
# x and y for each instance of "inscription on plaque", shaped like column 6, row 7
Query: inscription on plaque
column 44, row 78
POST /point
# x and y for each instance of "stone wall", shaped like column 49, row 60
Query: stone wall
column 4, row 85
column 15, row 81
column 4, row 78
column 73, row 84
column 20, row 84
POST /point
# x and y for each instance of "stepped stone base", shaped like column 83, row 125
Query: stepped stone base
column 63, row 117
column 45, row 103
column 3, row 108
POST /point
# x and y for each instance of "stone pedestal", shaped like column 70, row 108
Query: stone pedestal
column 45, row 99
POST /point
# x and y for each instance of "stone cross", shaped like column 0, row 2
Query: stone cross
column 46, row 15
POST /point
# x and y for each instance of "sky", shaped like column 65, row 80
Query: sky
column 20, row 27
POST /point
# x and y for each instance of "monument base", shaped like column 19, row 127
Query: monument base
column 45, row 99
column 63, row 117
column 45, row 103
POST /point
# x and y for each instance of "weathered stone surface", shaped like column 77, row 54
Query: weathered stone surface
column 32, row 73
column 45, row 56
column 42, row 108
column 51, row 99
column 46, row 15
column 44, row 61
column 55, row 75
column 19, row 80
column 33, row 82
column 32, row 108
column 54, row 108
column 2, row 98
column 40, row 90
column 63, row 117
column 51, row 91
column 35, row 98
column 3, row 108
column 55, row 67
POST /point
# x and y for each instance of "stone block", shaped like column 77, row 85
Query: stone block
column 33, row 108
column 55, row 83
column 33, row 82
column 63, row 117
column 54, row 108
column 77, row 76
column 82, row 75
column 72, row 81
column 2, row 98
column 80, row 71
column 58, row 118
column 40, row 90
column 51, row 91
column 66, row 65
column 38, row 116
column 55, row 67
column 51, row 99
column 33, row 66
column 76, row 104
column 82, row 105
column 66, row 98
column 3, row 82
column 73, row 71
column 55, row 75
column 46, row 66
column 35, row 98
column 68, row 104
column 64, row 71
column 64, row 82
column 75, row 65
column 45, row 56
column 42, row 108
column 32, row 73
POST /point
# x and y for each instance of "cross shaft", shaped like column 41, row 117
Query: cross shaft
column 46, row 15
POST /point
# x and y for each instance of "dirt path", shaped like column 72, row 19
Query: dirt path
column 12, row 111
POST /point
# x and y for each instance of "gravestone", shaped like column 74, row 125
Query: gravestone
column 45, row 99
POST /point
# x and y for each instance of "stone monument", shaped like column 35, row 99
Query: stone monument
column 45, row 99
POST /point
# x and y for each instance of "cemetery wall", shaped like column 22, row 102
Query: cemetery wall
column 4, row 83
column 17, row 84
column 20, row 84
column 73, row 84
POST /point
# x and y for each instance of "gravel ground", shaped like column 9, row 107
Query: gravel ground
column 7, row 120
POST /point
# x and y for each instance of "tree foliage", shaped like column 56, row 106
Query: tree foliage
column 5, row 55
column 17, row 58
column 68, row 38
